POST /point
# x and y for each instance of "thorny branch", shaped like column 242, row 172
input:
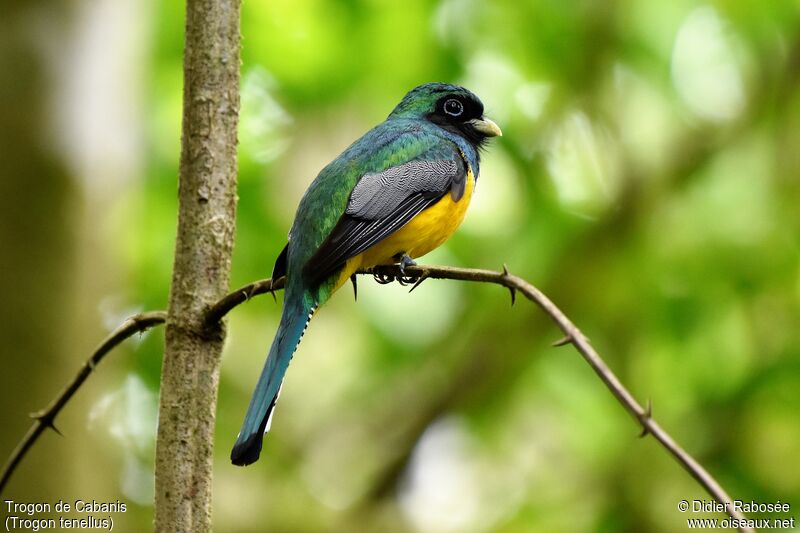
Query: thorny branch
column 46, row 418
column 415, row 276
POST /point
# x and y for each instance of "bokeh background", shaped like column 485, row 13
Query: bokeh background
column 647, row 181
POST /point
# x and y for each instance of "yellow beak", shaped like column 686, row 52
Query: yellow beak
column 487, row 127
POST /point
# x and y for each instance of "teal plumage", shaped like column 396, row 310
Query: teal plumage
column 397, row 170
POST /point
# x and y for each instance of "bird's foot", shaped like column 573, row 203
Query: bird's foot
column 405, row 261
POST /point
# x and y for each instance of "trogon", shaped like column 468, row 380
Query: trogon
column 394, row 195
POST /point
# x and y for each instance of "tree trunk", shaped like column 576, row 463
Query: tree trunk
column 206, row 222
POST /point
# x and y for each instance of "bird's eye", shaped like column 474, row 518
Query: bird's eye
column 453, row 107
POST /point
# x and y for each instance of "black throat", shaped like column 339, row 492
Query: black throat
column 463, row 129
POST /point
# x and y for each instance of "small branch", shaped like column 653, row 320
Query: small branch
column 218, row 311
column 572, row 335
column 46, row 417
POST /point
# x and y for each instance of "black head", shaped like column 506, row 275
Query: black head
column 450, row 107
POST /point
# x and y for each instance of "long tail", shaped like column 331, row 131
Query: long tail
column 297, row 312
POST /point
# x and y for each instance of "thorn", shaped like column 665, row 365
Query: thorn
column 51, row 425
column 46, row 420
column 512, row 290
column 137, row 323
column 417, row 283
column 562, row 341
column 648, row 414
column 355, row 286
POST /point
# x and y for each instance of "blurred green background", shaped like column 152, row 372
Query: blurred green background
column 647, row 182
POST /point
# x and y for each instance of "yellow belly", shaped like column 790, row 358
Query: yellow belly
column 426, row 231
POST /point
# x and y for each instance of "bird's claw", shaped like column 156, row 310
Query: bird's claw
column 405, row 261
column 382, row 276
column 403, row 279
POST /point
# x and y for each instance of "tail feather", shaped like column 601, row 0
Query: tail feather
column 295, row 318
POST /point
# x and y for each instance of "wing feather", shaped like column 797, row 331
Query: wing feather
column 380, row 204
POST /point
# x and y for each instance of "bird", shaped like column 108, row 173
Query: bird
column 391, row 197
